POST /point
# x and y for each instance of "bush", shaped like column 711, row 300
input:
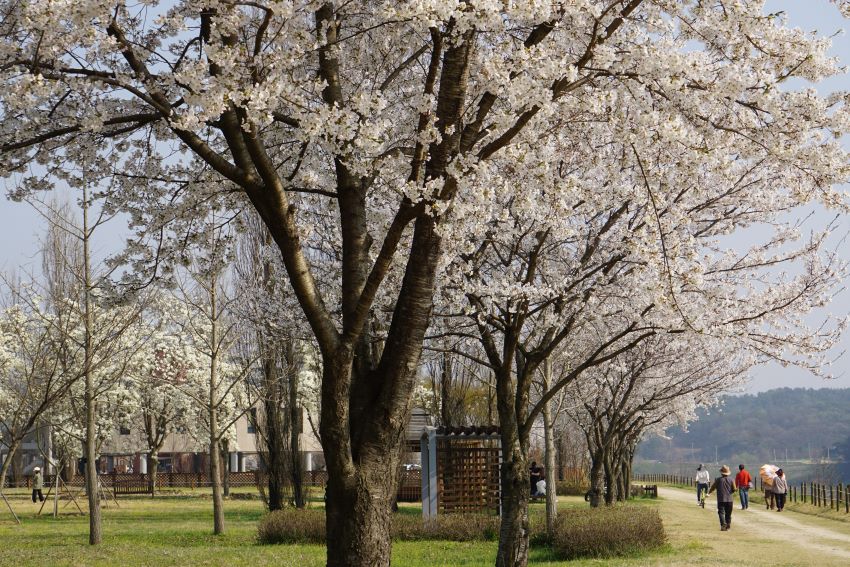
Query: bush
column 450, row 527
column 308, row 526
column 607, row 531
column 568, row 488
column 291, row 525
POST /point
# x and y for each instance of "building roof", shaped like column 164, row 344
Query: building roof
column 472, row 430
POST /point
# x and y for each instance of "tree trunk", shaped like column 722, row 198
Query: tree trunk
column 225, row 455
column 212, row 409
column 92, row 482
column 597, row 481
column 516, row 490
column 362, row 454
column 549, row 458
column 609, row 476
column 273, row 436
column 445, row 390
column 7, row 464
column 359, row 514
column 364, row 413
column 622, row 489
column 627, row 473
column 215, row 479
column 153, row 465
column 295, row 424
column 69, row 470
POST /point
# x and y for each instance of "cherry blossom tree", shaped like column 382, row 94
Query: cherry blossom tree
column 394, row 125
column 648, row 389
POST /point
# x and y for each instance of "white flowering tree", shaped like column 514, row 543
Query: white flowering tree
column 393, row 125
column 648, row 389
column 94, row 318
column 601, row 283
column 162, row 368
column 31, row 380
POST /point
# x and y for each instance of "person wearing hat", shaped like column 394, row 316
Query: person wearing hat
column 37, row 484
column 780, row 489
column 725, row 487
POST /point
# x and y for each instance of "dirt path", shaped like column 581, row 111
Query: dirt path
column 783, row 529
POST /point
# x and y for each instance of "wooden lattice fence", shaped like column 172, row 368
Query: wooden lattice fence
column 468, row 476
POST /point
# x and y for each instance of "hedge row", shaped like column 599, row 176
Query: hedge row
column 308, row 526
column 601, row 532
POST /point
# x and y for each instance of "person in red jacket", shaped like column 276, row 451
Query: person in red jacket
column 742, row 483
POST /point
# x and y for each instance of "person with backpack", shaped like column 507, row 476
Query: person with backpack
column 702, row 480
column 742, row 483
column 725, row 487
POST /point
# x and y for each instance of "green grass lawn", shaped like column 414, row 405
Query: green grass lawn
column 177, row 530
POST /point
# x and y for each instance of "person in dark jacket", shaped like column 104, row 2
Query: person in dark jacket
column 37, row 485
column 535, row 475
column 725, row 487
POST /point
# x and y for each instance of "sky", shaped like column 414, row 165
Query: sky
column 21, row 227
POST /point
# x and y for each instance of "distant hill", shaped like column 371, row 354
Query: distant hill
column 804, row 424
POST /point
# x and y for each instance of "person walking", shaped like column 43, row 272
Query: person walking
column 702, row 480
column 768, row 496
column 780, row 489
column 725, row 487
column 742, row 483
column 37, row 485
